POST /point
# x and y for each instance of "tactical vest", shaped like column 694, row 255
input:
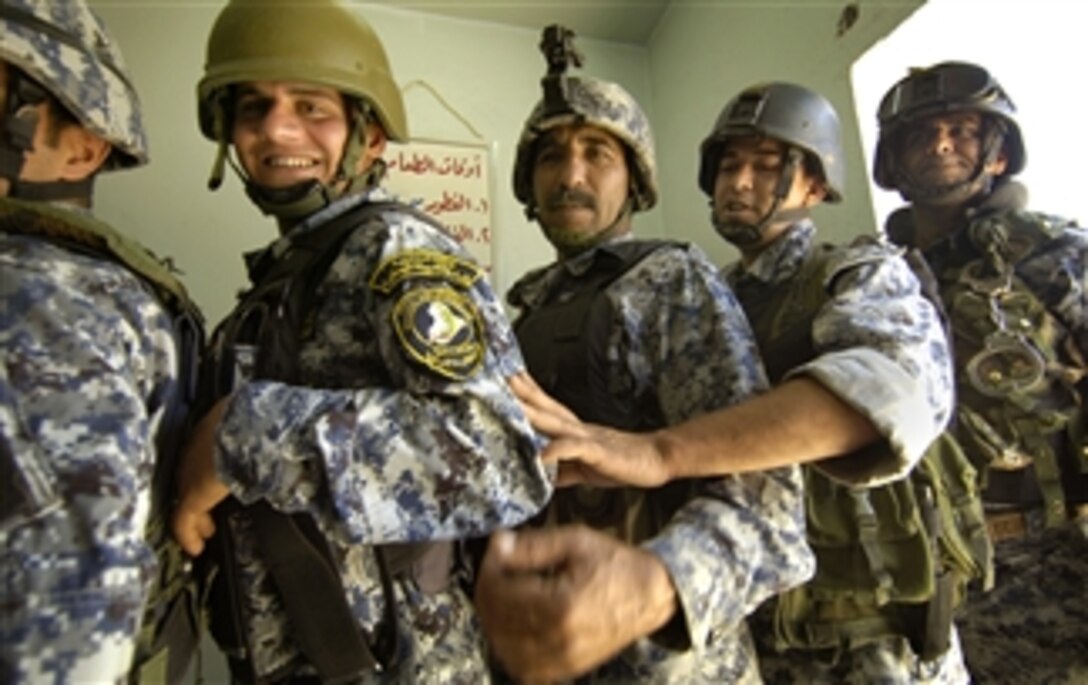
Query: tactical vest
column 565, row 346
column 1021, row 378
column 892, row 560
column 262, row 339
column 170, row 633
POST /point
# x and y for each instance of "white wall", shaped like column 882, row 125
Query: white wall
column 702, row 54
column 1036, row 54
column 489, row 73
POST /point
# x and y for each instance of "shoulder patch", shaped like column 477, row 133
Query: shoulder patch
column 440, row 328
column 430, row 264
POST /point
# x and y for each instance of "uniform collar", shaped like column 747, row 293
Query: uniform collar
column 535, row 287
column 780, row 260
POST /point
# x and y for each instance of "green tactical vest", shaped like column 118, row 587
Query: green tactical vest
column 1020, row 376
column 892, row 560
column 170, row 634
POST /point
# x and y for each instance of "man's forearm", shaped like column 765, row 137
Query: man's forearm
column 794, row 423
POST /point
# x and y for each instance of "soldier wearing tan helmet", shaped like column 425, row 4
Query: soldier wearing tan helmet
column 630, row 584
column 1014, row 286
column 93, row 386
column 361, row 420
column 861, row 376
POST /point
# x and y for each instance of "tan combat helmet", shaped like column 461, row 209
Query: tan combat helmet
column 315, row 41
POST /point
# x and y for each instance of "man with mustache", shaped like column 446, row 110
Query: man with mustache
column 630, row 585
column 361, row 420
column 861, row 377
column 1014, row 287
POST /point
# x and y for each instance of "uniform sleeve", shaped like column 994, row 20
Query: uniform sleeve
column 742, row 539
column 880, row 348
column 439, row 449
column 1058, row 274
column 88, row 361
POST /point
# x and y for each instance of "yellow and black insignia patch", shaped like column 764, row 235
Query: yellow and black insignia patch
column 440, row 328
column 430, row 264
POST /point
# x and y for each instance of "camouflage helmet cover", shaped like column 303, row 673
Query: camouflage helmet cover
column 941, row 88
column 65, row 47
column 312, row 41
column 599, row 103
column 784, row 111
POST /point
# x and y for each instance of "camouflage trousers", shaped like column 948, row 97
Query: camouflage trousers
column 1033, row 626
column 889, row 661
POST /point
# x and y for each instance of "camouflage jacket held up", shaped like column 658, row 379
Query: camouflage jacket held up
column 676, row 340
column 401, row 429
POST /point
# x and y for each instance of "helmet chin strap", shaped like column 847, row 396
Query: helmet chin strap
column 625, row 212
column 978, row 184
column 744, row 234
column 292, row 204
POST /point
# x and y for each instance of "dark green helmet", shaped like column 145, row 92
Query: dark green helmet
column 942, row 88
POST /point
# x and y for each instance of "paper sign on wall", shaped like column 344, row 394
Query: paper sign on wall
column 449, row 181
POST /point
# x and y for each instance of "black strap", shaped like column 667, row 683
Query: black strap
column 322, row 622
column 295, row 551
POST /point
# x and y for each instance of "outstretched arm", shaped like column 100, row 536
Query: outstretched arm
column 797, row 422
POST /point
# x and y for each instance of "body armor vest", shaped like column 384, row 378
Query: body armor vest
column 565, row 344
column 170, row 634
column 892, row 560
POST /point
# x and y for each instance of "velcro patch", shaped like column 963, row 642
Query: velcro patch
column 440, row 328
column 424, row 264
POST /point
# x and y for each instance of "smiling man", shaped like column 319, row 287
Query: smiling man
column 360, row 416
column 1014, row 285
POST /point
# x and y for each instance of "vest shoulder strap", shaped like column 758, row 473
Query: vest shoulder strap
column 88, row 233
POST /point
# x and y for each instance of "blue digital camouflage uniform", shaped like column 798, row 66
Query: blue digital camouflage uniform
column 389, row 440
column 880, row 348
column 678, row 340
column 1033, row 625
column 89, row 369
column 89, row 362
